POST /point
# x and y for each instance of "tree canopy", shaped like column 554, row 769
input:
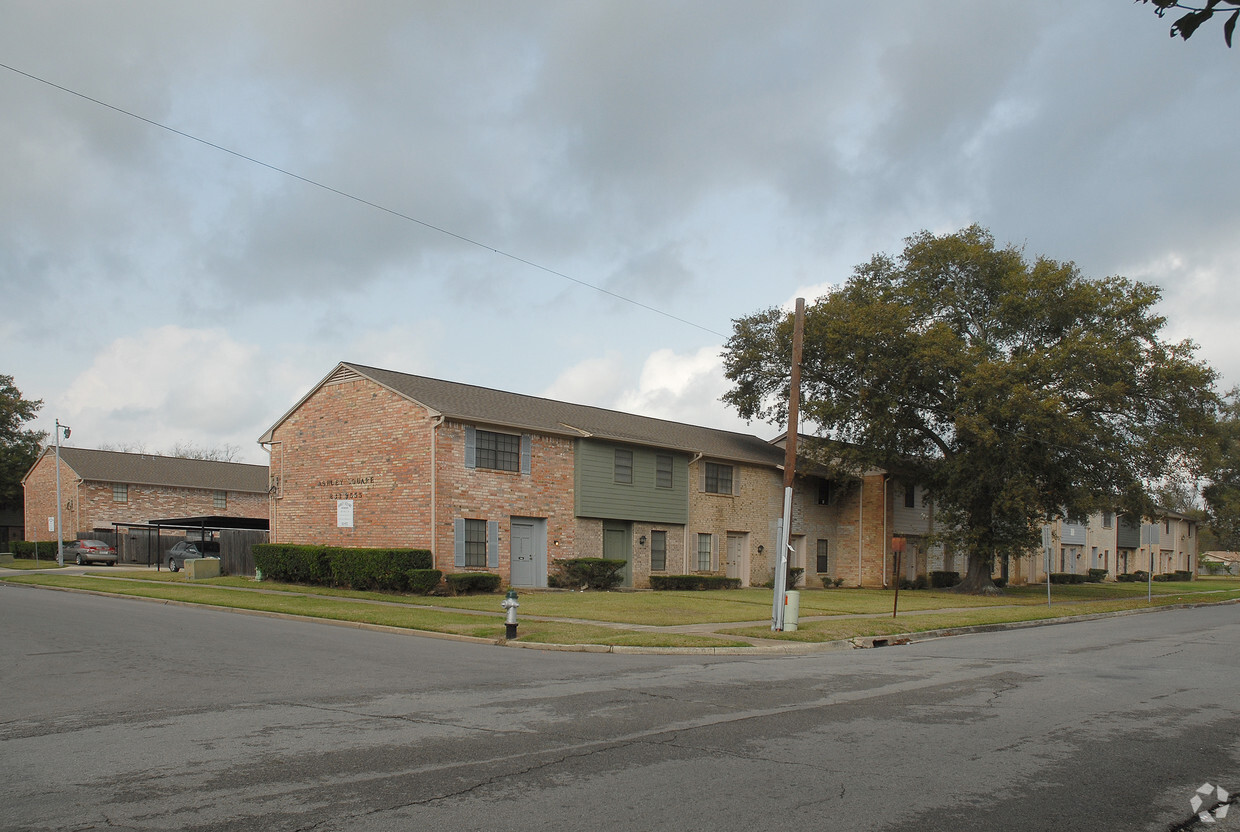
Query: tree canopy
column 1197, row 14
column 1222, row 493
column 19, row 446
column 1014, row 391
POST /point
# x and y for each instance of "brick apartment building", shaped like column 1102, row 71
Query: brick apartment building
column 509, row 483
column 100, row 488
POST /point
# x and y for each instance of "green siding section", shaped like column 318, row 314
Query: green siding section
column 599, row 495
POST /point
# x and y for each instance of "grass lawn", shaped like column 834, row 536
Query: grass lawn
column 582, row 617
column 31, row 563
column 403, row 615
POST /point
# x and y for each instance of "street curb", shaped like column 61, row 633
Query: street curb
column 791, row 648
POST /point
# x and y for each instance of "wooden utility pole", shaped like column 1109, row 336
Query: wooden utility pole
column 790, row 468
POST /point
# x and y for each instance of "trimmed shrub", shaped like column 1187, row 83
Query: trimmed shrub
column 1067, row 578
column 593, row 573
column 1096, row 576
column 828, row 583
column 423, row 581
column 999, row 582
column 465, row 583
column 693, row 582
column 1133, row 577
column 366, row 569
column 944, row 579
column 1183, row 575
column 47, row 548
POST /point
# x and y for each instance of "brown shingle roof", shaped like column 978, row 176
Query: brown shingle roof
column 466, row 402
column 149, row 469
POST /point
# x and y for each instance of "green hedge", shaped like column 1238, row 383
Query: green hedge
column 366, row 569
column 1178, row 575
column 1096, row 576
column 593, row 573
column 47, row 548
column 940, row 579
column 1140, row 576
column 1067, row 578
column 464, row 583
column 423, row 581
column 693, row 582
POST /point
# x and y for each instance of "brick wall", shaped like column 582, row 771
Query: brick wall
column 353, row 441
column 357, row 440
column 485, row 494
column 751, row 512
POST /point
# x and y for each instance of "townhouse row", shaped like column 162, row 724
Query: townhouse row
column 510, row 483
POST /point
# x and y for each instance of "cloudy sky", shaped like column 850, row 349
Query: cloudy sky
column 564, row 199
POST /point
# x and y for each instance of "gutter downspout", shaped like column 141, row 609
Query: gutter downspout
column 684, row 553
column 434, row 549
column 273, row 499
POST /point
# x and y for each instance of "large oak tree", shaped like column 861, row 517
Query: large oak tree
column 19, row 446
column 1016, row 391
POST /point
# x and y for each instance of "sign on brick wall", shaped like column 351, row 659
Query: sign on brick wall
column 344, row 514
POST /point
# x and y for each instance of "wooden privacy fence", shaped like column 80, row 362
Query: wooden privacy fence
column 237, row 550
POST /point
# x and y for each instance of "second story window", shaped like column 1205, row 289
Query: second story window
column 663, row 471
column 624, row 466
column 498, row 451
column 718, row 478
column 910, row 496
column 221, row 499
column 120, row 492
column 1108, row 519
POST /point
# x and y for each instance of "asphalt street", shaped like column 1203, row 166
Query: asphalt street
column 123, row 714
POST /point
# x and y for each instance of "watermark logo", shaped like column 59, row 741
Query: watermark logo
column 1210, row 803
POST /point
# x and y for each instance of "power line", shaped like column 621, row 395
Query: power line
column 430, row 226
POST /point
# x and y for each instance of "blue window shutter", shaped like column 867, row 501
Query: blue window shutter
column 492, row 544
column 458, row 543
column 471, row 445
column 525, row 453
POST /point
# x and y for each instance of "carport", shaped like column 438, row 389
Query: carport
column 235, row 535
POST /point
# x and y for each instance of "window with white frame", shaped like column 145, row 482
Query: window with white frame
column 497, row 451
column 476, row 543
column 624, row 466
column 120, row 492
column 663, row 471
column 658, row 551
column 718, row 478
column 705, row 552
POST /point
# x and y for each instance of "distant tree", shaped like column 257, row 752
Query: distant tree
column 1222, row 494
column 1198, row 13
column 217, row 453
column 1015, row 391
column 19, row 446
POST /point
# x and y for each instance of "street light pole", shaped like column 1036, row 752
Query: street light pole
column 60, row 542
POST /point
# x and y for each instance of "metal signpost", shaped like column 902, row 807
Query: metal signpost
column 60, row 537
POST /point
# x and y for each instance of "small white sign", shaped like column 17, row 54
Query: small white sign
column 51, row 524
column 344, row 514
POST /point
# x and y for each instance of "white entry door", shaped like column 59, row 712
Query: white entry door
column 737, row 563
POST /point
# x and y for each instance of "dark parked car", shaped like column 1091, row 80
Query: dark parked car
column 186, row 549
column 91, row 551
